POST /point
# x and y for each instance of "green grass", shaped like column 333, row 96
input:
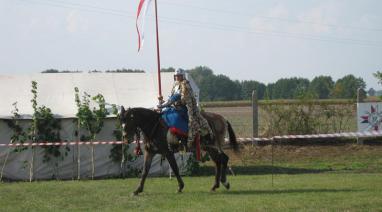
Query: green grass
column 329, row 191
column 307, row 178
column 310, row 159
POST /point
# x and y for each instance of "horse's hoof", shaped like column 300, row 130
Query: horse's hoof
column 136, row 192
column 226, row 185
column 180, row 189
column 213, row 189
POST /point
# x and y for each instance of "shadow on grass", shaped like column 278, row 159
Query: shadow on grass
column 288, row 191
column 260, row 170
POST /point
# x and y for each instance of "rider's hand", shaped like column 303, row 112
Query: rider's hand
column 160, row 98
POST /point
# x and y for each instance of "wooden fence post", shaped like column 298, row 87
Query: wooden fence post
column 360, row 98
column 255, row 117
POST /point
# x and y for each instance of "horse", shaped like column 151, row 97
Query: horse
column 158, row 140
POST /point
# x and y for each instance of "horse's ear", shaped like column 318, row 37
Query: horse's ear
column 122, row 110
column 122, row 113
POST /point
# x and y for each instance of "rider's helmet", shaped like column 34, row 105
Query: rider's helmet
column 180, row 71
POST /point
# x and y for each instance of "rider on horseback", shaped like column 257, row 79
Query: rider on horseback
column 183, row 97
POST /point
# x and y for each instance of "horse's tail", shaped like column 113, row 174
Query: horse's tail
column 232, row 138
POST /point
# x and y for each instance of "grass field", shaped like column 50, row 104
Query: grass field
column 318, row 192
column 313, row 178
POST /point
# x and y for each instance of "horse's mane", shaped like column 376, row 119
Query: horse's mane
column 146, row 113
column 144, row 110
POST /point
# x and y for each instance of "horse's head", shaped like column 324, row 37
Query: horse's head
column 128, row 122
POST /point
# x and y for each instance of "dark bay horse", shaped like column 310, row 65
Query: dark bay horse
column 157, row 140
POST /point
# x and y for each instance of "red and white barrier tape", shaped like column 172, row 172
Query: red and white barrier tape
column 284, row 137
column 332, row 135
column 71, row 143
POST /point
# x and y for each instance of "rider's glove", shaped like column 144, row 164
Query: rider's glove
column 167, row 104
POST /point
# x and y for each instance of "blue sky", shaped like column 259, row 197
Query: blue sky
column 261, row 40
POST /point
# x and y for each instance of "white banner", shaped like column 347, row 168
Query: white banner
column 369, row 116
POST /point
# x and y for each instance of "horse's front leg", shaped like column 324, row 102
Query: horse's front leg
column 148, row 157
column 174, row 166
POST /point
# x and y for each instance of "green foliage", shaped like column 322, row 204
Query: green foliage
column 291, row 88
column 307, row 117
column 55, row 71
column 125, row 71
column 378, row 75
column 321, row 86
column 215, row 87
column 45, row 128
column 221, row 88
column 170, row 69
column 18, row 134
column 346, row 87
column 247, row 87
column 90, row 119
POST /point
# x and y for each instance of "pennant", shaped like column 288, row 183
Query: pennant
column 143, row 4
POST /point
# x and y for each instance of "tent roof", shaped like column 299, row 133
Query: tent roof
column 56, row 90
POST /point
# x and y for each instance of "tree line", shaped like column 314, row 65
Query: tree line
column 222, row 88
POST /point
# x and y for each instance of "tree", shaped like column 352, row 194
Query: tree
column 378, row 75
column 125, row 71
column 170, row 69
column 289, row 88
column 248, row 86
column 321, row 86
column 346, row 87
column 50, row 71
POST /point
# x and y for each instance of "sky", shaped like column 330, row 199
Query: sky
column 262, row 40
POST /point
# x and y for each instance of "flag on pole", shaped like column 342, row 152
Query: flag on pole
column 143, row 4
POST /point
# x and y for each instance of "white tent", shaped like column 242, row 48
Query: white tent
column 56, row 91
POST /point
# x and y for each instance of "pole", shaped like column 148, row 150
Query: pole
column 158, row 53
column 360, row 99
column 255, row 117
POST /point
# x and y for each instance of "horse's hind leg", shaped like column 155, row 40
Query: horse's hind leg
column 146, row 167
column 174, row 166
column 216, row 158
column 224, row 160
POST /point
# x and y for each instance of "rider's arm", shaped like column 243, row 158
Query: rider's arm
column 170, row 101
column 185, row 92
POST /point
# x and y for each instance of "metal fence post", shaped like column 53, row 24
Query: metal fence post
column 255, row 117
column 360, row 98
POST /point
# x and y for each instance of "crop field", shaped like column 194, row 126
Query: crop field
column 323, row 178
column 280, row 119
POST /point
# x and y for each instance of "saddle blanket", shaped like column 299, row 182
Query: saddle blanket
column 176, row 120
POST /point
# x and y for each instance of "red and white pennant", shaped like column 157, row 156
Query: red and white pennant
column 143, row 4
